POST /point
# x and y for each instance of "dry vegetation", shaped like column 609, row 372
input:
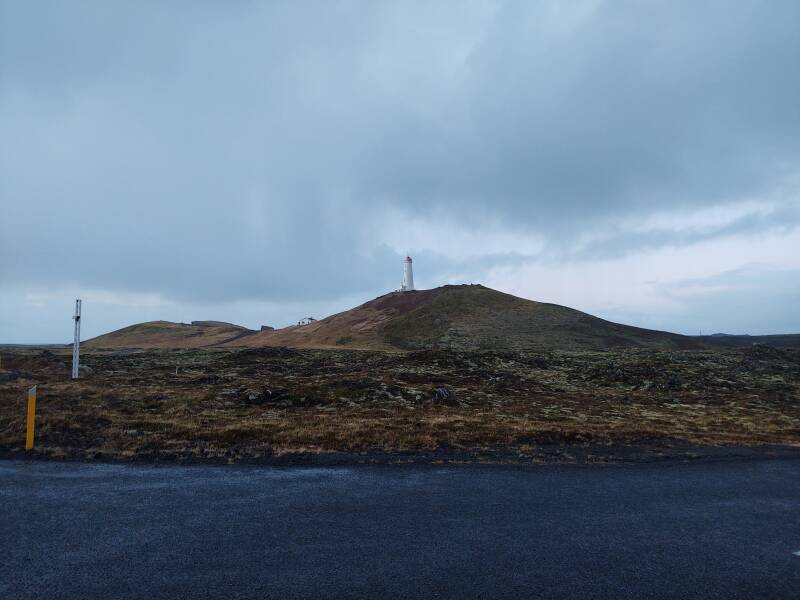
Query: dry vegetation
column 164, row 334
column 465, row 318
column 266, row 403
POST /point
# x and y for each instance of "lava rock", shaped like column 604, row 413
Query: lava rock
column 539, row 362
column 254, row 396
column 9, row 376
column 274, row 395
column 443, row 395
column 262, row 396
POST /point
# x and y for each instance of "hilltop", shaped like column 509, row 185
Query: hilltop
column 467, row 318
column 165, row 334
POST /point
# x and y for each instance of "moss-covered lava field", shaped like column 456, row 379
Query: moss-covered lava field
column 279, row 405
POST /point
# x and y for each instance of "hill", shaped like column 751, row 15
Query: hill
column 464, row 317
column 725, row 340
column 165, row 334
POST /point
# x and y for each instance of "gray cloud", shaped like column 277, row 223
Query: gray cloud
column 236, row 150
column 620, row 242
column 638, row 107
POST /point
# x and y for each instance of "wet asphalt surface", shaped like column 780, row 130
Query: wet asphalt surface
column 704, row 530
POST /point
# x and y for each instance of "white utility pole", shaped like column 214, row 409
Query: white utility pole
column 76, row 345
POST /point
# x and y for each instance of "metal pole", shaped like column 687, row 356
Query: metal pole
column 76, row 345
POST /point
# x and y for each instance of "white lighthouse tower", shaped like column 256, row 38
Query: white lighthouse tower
column 408, row 276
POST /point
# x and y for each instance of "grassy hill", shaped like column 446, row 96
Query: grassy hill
column 464, row 317
column 165, row 334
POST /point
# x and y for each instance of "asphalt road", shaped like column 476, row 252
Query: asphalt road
column 709, row 530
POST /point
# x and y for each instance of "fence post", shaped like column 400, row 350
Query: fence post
column 31, row 418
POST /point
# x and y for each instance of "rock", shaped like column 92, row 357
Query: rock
column 84, row 370
column 413, row 393
column 254, row 396
column 442, row 395
column 274, row 395
column 539, row 362
column 9, row 376
column 210, row 378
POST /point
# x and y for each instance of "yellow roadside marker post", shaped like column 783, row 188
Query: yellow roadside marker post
column 31, row 417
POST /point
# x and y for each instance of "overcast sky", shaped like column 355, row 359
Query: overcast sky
column 258, row 162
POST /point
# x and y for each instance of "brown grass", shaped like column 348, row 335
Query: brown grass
column 253, row 404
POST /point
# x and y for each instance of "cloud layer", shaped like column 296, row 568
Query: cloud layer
column 288, row 154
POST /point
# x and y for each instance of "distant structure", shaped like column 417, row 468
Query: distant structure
column 307, row 321
column 408, row 276
column 267, row 328
column 76, row 344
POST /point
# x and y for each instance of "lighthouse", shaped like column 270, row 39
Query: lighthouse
column 408, row 276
